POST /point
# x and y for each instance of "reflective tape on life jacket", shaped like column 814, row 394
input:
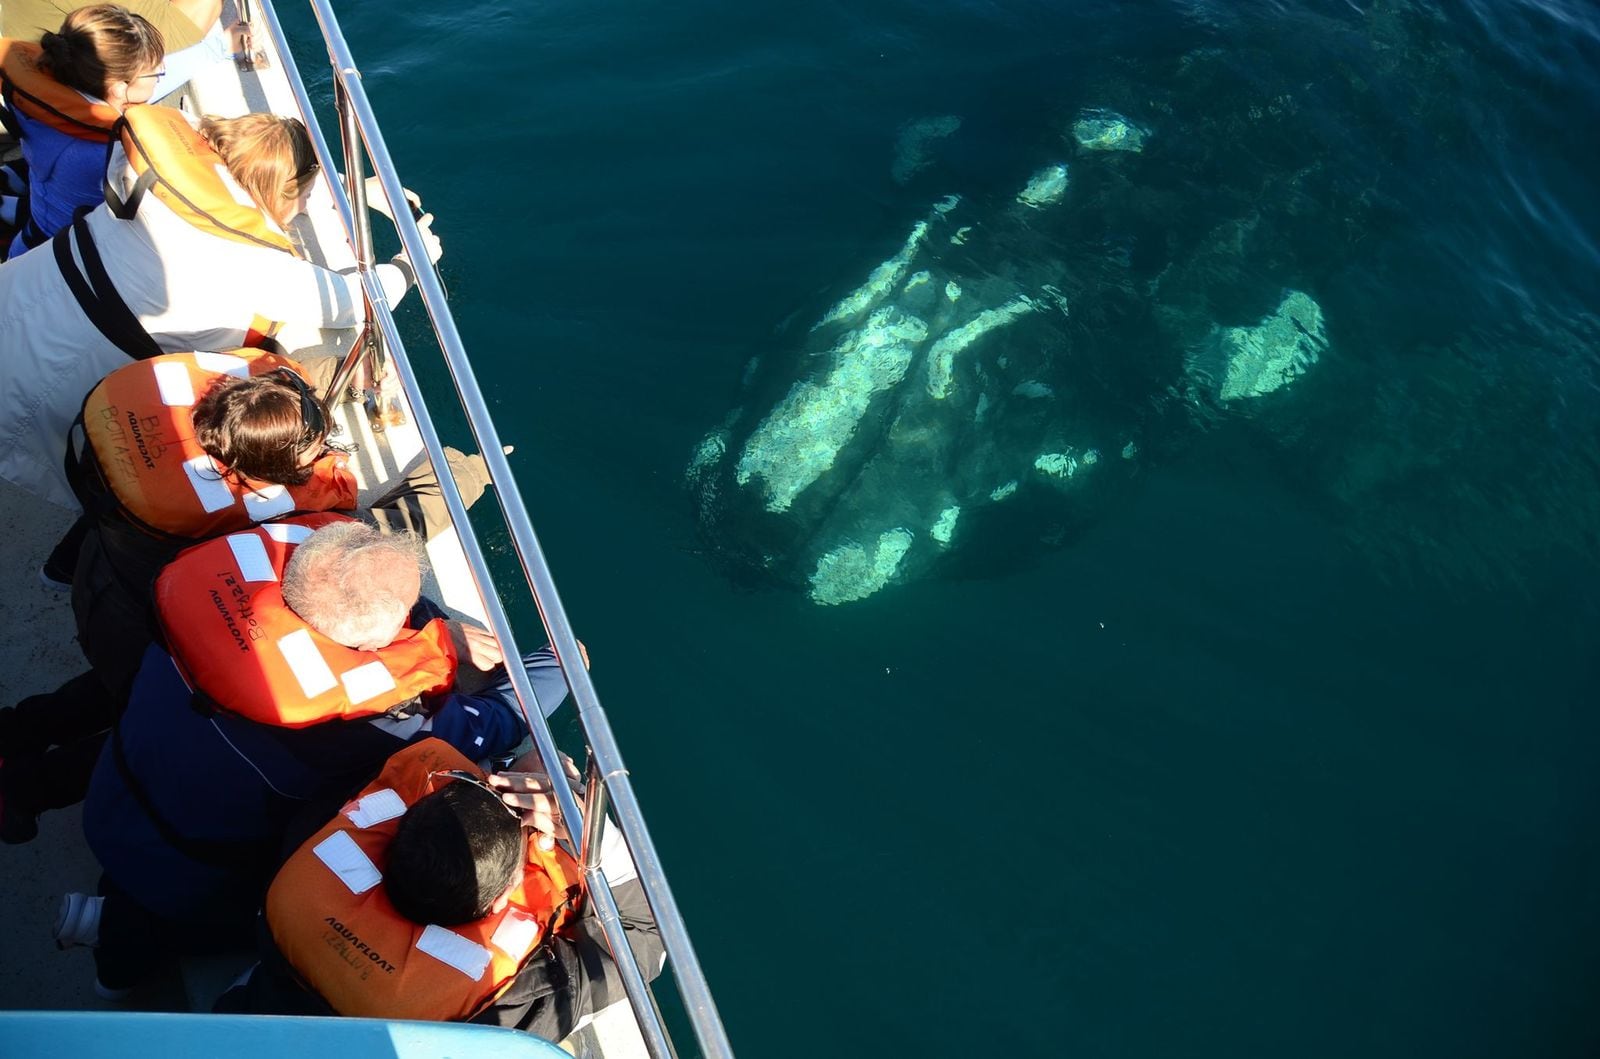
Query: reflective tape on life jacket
column 332, row 919
column 28, row 89
column 170, row 158
column 237, row 643
column 139, row 428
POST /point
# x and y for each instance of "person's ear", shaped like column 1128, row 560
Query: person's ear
column 501, row 902
column 117, row 94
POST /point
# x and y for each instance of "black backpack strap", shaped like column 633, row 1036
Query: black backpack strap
column 96, row 295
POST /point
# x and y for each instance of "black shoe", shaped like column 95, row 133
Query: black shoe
column 52, row 575
column 58, row 569
column 17, row 825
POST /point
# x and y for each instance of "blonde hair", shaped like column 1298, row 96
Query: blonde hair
column 99, row 45
column 270, row 157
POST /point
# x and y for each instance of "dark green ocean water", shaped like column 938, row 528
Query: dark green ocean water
column 1282, row 742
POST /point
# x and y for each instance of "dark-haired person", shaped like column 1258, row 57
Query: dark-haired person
column 63, row 95
column 477, row 917
column 298, row 657
column 199, row 259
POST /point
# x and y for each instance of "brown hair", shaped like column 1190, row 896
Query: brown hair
column 99, row 45
column 270, row 157
column 256, row 428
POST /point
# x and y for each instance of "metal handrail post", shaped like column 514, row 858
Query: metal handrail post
column 368, row 349
column 633, row 982
column 685, row 964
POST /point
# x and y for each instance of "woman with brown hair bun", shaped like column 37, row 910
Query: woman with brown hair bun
column 64, row 95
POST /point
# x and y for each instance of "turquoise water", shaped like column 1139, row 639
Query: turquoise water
column 1275, row 739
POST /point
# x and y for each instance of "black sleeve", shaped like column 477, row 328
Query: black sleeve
column 271, row 988
column 572, row 976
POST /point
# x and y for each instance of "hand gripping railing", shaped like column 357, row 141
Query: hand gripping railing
column 608, row 776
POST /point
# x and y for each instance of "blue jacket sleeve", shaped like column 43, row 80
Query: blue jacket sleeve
column 489, row 723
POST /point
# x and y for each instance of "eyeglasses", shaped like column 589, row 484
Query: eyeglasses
column 312, row 413
column 467, row 777
column 151, row 77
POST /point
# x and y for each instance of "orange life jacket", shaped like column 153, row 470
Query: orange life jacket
column 331, row 918
column 142, row 454
column 237, row 643
column 172, row 159
column 29, row 89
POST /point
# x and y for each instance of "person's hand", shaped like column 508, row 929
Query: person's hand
column 429, row 240
column 526, row 786
column 476, row 644
column 377, row 200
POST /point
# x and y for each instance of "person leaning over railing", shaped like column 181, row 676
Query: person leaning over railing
column 62, row 97
column 224, row 440
column 189, row 252
column 299, row 657
column 429, row 897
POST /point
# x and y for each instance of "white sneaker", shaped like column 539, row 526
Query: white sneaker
column 78, row 923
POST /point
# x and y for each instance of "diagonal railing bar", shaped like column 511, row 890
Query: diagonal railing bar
column 607, row 770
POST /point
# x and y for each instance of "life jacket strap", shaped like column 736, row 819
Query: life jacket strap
column 96, row 295
column 7, row 118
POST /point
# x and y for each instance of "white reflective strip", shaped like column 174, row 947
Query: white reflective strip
column 209, row 488
column 471, row 709
column 366, row 681
column 516, row 934
column 376, row 807
column 306, row 662
column 268, row 502
column 223, row 364
column 287, row 532
column 172, row 379
column 478, row 741
column 353, row 867
column 250, row 552
column 447, row 946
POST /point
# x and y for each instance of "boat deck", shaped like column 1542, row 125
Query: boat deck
column 40, row 651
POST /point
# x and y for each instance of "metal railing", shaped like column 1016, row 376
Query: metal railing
column 609, row 786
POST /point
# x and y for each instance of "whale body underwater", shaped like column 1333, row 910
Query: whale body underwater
column 1007, row 353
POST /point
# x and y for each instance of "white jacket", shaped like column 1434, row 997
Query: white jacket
column 191, row 291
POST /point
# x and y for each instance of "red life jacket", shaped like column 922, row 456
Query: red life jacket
column 32, row 91
column 237, row 643
column 331, row 918
column 139, row 428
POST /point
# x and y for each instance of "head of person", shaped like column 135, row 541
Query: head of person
column 106, row 52
column 354, row 585
column 271, row 158
column 456, row 857
column 267, row 428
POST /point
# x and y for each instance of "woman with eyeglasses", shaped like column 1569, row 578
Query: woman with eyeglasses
column 64, row 94
column 189, row 251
